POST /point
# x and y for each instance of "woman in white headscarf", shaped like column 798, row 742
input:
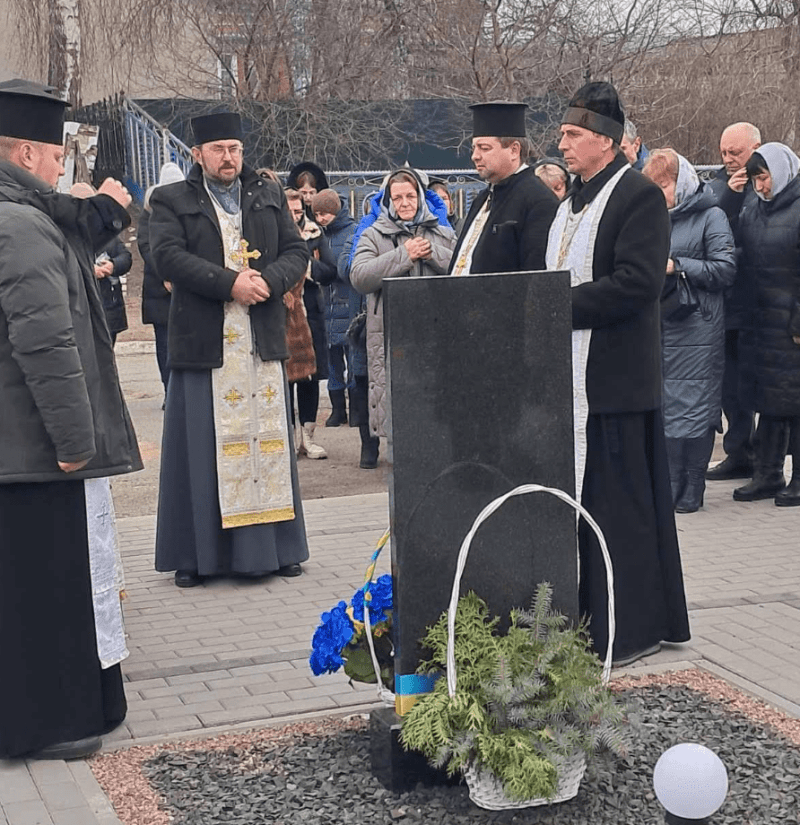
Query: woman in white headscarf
column 702, row 255
column 770, row 344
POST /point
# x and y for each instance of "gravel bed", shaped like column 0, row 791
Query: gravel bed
column 319, row 772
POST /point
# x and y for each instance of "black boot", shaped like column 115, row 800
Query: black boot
column 771, row 441
column 730, row 467
column 698, row 451
column 338, row 414
column 676, row 459
column 790, row 496
column 369, row 448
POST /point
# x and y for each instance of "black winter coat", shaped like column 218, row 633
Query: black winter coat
column 155, row 296
column 770, row 360
column 314, row 302
column 337, row 294
column 186, row 243
column 515, row 236
column 60, row 398
column 111, row 286
column 739, row 295
column 621, row 302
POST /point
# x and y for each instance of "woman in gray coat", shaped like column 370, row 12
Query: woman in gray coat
column 702, row 249
column 406, row 239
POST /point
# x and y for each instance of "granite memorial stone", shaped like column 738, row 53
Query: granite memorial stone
column 479, row 384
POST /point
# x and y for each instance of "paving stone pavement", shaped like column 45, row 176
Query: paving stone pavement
column 234, row 653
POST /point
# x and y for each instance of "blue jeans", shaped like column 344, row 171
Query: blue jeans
column 337, row 355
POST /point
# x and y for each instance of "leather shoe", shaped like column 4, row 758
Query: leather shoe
column 69, row 750
column 730, row 468
column 187, row 578
column 289, row 571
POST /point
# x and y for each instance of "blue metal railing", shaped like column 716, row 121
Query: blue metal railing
column 148, row 147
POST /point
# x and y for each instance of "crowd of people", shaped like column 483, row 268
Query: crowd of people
column 685, row 305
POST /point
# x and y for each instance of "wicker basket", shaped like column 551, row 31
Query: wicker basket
column 485, row 789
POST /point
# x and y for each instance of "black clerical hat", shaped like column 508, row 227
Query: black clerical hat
column 596, row 106
column 219, row 126
column 499, row 118
column 30, row 111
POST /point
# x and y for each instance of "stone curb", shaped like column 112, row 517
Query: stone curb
column 242, row 727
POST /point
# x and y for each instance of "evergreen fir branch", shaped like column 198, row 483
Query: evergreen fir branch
column 526, row 701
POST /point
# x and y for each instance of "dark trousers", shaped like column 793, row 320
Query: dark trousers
column 307, row 400
column 337, row 354
column 738, row 439
column 161, row 352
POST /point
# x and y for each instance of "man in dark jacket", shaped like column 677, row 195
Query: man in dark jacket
column 613, row 233
column 229, row 499
column 736, row 145
column 64, row 422
column 507, row 224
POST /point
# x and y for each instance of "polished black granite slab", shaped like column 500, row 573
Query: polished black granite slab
column 479, row 384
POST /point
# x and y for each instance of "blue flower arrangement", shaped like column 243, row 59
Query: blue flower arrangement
column 340, row 640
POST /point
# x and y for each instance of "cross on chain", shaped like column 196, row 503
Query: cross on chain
column 241, row 257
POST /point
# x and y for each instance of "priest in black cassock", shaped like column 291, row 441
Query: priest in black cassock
column 506, row 227
column 229, row 499
column 64, row 427
column 612, row 232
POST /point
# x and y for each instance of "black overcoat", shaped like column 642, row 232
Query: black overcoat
column 621, row 302
column 186, row 246
column 770, row 360
column 626, row 480
column 739, row 295
column 155, row 296
column 111, row 286
column 515, row 236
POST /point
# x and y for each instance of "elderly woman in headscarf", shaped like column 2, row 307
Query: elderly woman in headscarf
column 410, row 236
column 770, row 344
column 702, row 255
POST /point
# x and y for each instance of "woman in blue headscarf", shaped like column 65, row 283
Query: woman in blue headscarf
column 702, row 253
column 770, row 344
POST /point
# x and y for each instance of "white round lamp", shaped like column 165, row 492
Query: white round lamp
column 691, row 782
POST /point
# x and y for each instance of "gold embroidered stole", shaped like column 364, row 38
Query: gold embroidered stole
column 474, row 232
column 254, row 477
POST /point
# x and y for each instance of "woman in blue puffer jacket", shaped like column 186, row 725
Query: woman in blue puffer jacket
column 702, row 250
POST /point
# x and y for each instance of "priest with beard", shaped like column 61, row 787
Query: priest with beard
column 613, row 233
column 229, row 499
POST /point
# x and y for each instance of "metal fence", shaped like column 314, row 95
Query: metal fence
column 148, row 147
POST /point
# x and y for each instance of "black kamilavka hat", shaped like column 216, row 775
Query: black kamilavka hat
column 30, row 111
column 219, row 126
column 499, row 118
column 596, row 106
